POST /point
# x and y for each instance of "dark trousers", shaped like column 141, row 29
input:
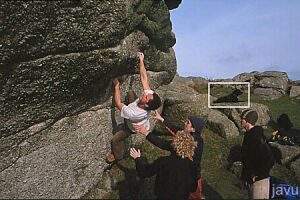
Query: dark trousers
column 118, row 140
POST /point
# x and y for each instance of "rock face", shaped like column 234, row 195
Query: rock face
column 288, row 153
column 269, row 85
column 182, row 101
column 295, row 167
column 172, row 3
column 290, row 157
column 49, row 71
column 65, row 157
column 275, row 80
column 58, row 60
column 267, row 93
column 198, row 80
column 246, row 77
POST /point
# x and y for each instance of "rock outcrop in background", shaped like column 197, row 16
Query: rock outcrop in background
column 269, row 85
column 295, row 91
column 181, row 101
column 57, row 62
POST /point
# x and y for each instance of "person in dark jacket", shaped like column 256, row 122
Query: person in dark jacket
column 194, row 125
column 257, row 157
column 175, row 174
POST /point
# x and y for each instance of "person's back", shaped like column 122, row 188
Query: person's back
column 176, row 177
column 258, row 152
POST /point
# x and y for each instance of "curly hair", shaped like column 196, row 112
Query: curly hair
column 184, row 144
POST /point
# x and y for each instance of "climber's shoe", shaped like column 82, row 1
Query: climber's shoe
column 110, row 158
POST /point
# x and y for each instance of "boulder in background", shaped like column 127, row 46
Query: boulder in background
column 294, row 91
column 220, row 124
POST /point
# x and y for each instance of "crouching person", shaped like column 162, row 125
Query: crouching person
column 176, row 175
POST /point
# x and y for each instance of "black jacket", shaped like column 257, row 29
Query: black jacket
column 257, row 157
column 175, row 177
column 166, row 145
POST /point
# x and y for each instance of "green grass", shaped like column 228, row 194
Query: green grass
column 220, row 91
column 224, row 183
column 202, row 89
column 285, row 104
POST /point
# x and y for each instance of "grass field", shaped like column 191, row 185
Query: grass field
column 285, row 104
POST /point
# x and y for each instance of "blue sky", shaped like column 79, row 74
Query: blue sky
column 222, row 38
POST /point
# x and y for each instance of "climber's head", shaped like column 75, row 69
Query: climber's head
column 150, row 101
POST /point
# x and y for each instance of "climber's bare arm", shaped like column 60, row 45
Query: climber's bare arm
column 117, row 96
column 143, row 73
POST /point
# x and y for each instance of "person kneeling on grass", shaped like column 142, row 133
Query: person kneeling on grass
column 176, row 176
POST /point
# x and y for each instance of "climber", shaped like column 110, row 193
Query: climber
column 137, row 112
column 175, row 174
column 194, row 126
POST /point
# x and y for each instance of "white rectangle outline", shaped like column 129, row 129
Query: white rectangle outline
column 228, row 83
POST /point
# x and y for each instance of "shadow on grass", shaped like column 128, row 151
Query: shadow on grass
column 209, row 192
column 131, row 185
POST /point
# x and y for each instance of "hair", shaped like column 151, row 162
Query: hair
column 184, row 144
column 154, row 103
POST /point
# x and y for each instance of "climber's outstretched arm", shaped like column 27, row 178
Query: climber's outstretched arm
column 117, row 96
column 143, row 73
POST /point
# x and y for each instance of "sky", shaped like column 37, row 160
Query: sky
column 222, row 38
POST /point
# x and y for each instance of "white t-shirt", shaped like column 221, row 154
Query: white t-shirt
column 136, row 115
